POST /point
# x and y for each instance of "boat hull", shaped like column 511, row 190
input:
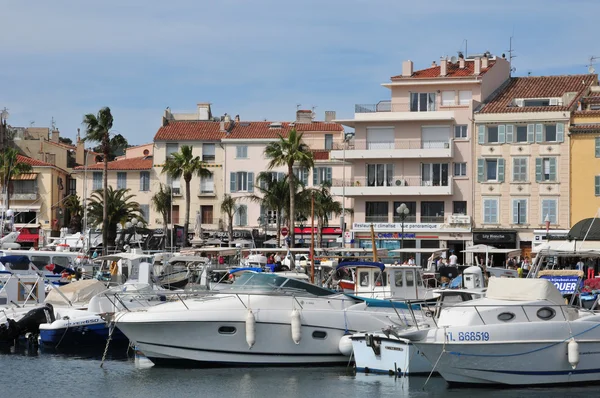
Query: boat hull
column 82, row 332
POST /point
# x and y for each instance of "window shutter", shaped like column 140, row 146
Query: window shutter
column 250, row 182
column 501, row 134
column 538, row 169
column 530, row 133
column 232, row 182
column 598, row 147
column 480, row 170
column 560, row 132
column 515, row 211
column 236, row 218
column 280, row 176
column 509, row 133
column 500, row 170
column 305, row 176
column 597, row 185
column 539, row 132
column 243, row 212
column 481, row 134
column 329, row 176
column 552, row 169
column 315, row 176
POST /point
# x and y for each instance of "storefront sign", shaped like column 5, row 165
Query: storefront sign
column 324, row 230
column 410, row 227
column 566, row 284
column 498, row 237
column 394, row 235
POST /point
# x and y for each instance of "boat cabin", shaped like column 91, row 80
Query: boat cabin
column 20, row 282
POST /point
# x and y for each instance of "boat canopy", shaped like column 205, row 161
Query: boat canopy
column 569, row 248
column 244, row 269
column 354, row 264
column 490, row 250
column 273, row 283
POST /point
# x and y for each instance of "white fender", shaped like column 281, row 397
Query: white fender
column 573, row 353
column 250, row 329
column 345, row 345
column 296, row 326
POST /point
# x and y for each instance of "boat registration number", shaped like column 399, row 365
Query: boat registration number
column 469, row 336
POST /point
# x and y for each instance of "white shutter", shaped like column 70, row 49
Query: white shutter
column 380, row 137
column 435, row 136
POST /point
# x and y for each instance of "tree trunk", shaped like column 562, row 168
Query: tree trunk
column 166, row 229
column 279, row 214
column 319, row 232
column 230, row 230
column 105, row 240
column 292, row 215
column 186, row 224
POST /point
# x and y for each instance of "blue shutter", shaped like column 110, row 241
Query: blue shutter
column 500, row 170
column 515, row 211
column 538, row 169
column 236, row 217
column 481, row 134
column 315, row 177
column 560, row 132
column 480, row 170
column 530, row 133
column 501, row 134
column 597, row 185
column 232, row 182
column 250, row 182
column 304, row 176
column 598, row 147
column 552, row 169
column 328, row 174
column 539, row 133
column 509, row 133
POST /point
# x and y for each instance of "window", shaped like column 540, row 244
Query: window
column 302, row 175
column 412, row 212
column 227, row 330
column 241, row 216
column 506, row 316
column 376, row 212
column 175, row 184
column 492, row 135
column 549, row 209
column 208, row 153
column 398, row 278
column 536, row 102
column 460, row 169
column 597, row 147
column 207, row 184
column 546, row 313
column 448, row 98
column 319, row 334
column 25, row 217
column 72, row 186
column 97, row 180
column 432, row 212
column 520, row 169
column 363, row 277
column 422, row 102
column 328, row 141
column 241, row 181
column 121, row 180
column 145, row 210
column 410, row 278
column 550, row 130
column 379, row 278
column 490, row 170
column 206, row 212
column 321, row 175
column 459, row 207
column 521, row 134
column 490, row 211
column 519, row 211
column 380, row 175
column 172, row 148
column 545, row 169
column 434, row 174
column 23, row 187
column 464, row 97
column 460, row 131
column 597, row 185
column 144, row 180
column 241, row 151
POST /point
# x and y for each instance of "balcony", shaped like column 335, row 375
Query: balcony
column 402, row 186
column 23, row 195
column 377, row 218
column 397, row 149
column 396, row 111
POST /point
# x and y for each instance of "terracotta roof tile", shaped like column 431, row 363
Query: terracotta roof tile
column 32, row 162
column 141, row 163
column 452, row 70
column 585, row 128
column 210, row 131
column 594, row 94
column 537, row 87
column 62, row 145
column 585, row 113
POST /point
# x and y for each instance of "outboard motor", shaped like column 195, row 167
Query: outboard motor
column 30, row 323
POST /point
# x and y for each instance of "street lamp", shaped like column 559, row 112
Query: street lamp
column 403, row 212
column 347, row 137
column 547, row 221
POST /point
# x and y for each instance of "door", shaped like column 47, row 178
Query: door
column 175, row 214
column 435, row 137
column 380, row 138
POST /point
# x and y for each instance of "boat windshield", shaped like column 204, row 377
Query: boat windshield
column 271, row 282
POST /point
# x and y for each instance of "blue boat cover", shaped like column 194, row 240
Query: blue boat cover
column 251, row 269
column 381, row 303
column 15, row 259
column 353, row 264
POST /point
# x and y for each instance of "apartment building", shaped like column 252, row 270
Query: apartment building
column 584, row 133
column 522, row 158
column 416, row 149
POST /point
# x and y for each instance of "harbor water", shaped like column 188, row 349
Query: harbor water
column 59, row 375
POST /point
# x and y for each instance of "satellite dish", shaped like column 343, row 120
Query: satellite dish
column 453, row 59
column 591, row 69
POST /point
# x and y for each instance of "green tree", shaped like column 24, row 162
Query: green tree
column 273, row 194
column 185, row 164
column 97, row 130
column 10, row 168
column 121, row 208
column 229, row 207
column 161, row 201
column 288, row 152
column 75, row 209
column 325, row 207
column 117, row 144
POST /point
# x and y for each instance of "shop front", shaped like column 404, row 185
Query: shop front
column 330, row 236
column 498, row 238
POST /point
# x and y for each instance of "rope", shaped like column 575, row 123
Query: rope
column 345, row 321
column 64, row 333
column 110, row 332
column 438, row 360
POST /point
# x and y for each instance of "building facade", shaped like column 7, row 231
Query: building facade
column 416, row 149
column 522, row 160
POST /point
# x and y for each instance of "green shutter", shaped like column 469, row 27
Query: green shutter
column 560, row 132
column 597, row 185
column 232, row 182
column 328, row 174
column 250, row 182
column 481, row 134
column 539, row 133
column 315, row 176
column 530, row 132
column 538, row 169
column 501, row 134
column 480, row 170
column 509, row 133
column 305, row 177
column 598, row 147
column 552, row 169
column 500, row 170
column 515, row 211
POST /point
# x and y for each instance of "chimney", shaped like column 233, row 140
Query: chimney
column 433, row 64
column 444, row 66
column 222, row 126
column 237, row 118
column 461, row 61
column 167, row 116
column 204, row 112
column 303, row 116
column 227, row 118
column 477, row 66
column 55, row 136
column 329, row 116
column 407, row 68
column 80, row 152
column 484, row 62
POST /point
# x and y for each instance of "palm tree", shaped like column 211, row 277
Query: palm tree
column 117, row 145
column 325, row 206
column 185, row 164
column 229, row 207
column 161, row 201
column 10, row 168
column 273, row 195
column 121, row 208
column 97, row 129
column 288, row 152
column 73, row 205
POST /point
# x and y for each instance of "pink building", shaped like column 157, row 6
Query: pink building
column 417, row 149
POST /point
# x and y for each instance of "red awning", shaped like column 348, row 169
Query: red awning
column 325, row 230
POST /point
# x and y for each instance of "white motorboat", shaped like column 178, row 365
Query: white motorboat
column 521, row 333
column 261, row 319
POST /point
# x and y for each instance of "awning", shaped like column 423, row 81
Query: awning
column 28, row 237
column 25, row 177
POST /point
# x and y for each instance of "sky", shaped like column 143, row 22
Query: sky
column 260, row 59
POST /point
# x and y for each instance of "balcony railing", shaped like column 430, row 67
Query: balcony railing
column 389, row 182
column 400, row 144
column 396, row 106
column 432, row 219
column 409, row 218
column 23, row 195
column 378, row 218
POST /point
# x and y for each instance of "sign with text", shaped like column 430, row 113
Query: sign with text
column 410, row 227
column 395, row 235
column 566, row 284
